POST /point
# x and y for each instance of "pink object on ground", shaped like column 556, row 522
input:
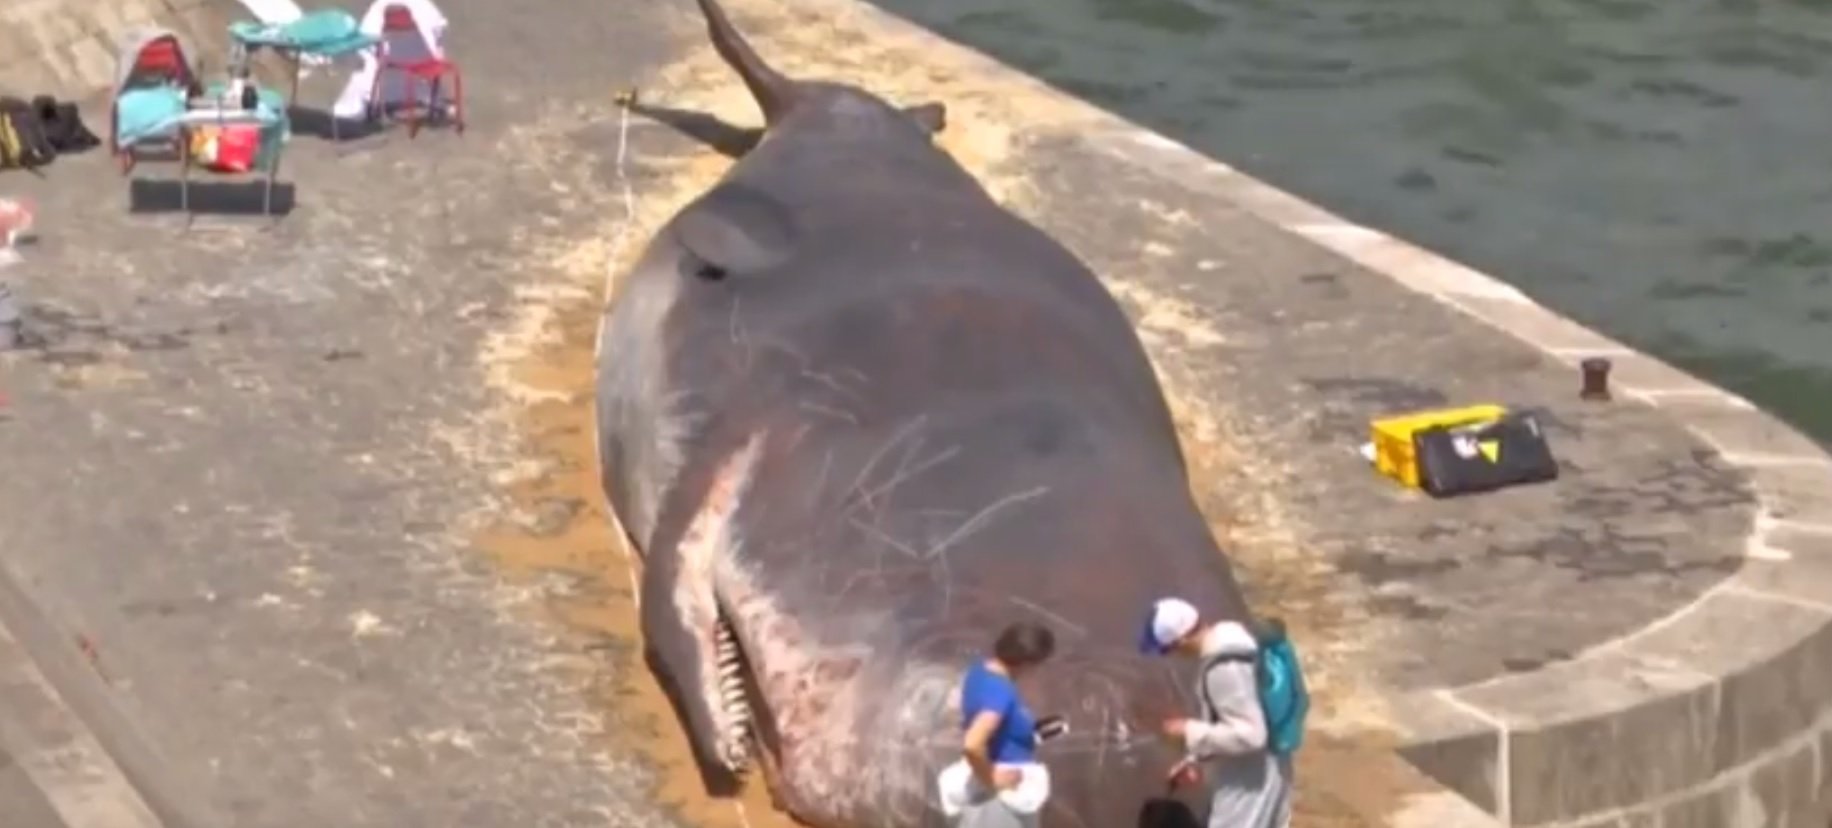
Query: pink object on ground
column 15, row 220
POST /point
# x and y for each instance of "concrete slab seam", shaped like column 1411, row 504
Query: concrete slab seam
column 1764, row 595
column 1503, row 752
column 1610, row 646
column 63, row 759
column 1739, row 774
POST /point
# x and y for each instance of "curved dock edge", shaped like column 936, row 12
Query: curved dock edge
column 71, row 738
column 1721, row 711
column 1722, row 708
column 67, row 47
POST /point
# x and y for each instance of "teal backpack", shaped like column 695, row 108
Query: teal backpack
column 1283, row 697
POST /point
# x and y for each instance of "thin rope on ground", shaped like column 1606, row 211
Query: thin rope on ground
column 619, row 238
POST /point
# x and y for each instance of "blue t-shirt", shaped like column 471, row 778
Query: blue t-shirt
column 1015, row 740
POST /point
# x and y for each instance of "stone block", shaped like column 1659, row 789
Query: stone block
column 1274, row 205
column 1644, row 373
column 1799, row 494
column 1715, row 807
column 1572, row 724
column 1736, row 429
column 1452, row 746
column 1782, row 791
column 1792, row 564
column 1542, row 327
column 1775, row 671
column 68, row 47
column 1635, row 819
column 1824, row 787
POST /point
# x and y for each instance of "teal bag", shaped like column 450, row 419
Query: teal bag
column 1284, row 698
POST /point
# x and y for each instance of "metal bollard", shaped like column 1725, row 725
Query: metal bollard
column 1596, row 379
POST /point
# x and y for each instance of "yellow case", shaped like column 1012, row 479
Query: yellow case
column 1393, row 454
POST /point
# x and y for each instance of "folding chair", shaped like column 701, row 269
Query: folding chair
column 398, row 22
column 151, row 60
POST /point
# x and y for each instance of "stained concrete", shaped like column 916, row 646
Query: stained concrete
column 67, row 48
column 1644, row 518
column 21, row 800
column 232, row 448
column 239, row 451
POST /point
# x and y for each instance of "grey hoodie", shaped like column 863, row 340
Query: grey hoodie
column 1252, row 787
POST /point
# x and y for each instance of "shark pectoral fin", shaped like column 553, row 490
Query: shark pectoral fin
column 736, row 230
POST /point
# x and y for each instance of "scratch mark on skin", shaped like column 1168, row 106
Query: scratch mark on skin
column 734, row 327
column 817, row 408
column 1100, row 757
column 820, row 483
column 896, row 438
column 905, row 474
column 1053, row 617
column 886, row 538
column 982, row 519
column 830, row 382
column 800, row 435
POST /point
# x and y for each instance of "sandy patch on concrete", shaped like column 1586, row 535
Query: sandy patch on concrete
column 555, row 523
column 552, row 535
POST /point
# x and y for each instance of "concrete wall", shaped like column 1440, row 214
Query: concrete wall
column 67, row 47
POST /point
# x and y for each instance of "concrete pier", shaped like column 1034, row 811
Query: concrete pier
column 320, row 497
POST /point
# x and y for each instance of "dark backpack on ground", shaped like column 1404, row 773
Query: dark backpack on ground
column 63, row 125
column 1284, row 700
column 22, row 136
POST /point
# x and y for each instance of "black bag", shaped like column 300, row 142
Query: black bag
column 1478, row 458
column 22, row 136
column 63, row 125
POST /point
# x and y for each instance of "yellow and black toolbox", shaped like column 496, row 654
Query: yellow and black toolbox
column 1454, row 451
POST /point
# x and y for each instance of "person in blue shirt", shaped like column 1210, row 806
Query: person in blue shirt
column 1000, row 732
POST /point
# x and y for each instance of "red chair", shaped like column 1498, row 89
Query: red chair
column 398, row 20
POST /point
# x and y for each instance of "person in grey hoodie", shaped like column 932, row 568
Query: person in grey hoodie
column 1226, row 742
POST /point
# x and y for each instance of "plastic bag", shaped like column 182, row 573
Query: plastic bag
column 226, row 149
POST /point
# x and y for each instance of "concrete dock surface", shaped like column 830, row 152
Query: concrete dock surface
column 311, row 504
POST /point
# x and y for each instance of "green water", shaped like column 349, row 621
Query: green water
column 1661, row 171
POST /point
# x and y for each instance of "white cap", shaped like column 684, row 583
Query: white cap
column 1169, row 620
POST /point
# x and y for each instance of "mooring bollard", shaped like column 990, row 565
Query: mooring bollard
column 1596, row 379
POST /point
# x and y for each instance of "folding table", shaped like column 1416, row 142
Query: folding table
column 331, row 33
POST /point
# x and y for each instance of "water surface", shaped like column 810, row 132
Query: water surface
column 1661, row 171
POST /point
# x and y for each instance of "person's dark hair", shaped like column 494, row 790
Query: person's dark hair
column 1024, row 645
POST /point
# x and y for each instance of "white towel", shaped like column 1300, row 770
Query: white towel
column 280, row 13
column 274, row 12
column 957, row 788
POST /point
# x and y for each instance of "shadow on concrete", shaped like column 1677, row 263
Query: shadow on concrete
column 727, row 139
column 319, row 123
column 1167, row 813
column 717, row 780
column 227, row 198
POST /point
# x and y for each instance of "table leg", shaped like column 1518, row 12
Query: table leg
column 184, row 174
column 273, row 172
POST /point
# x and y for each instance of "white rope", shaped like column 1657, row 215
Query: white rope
column 623, row 182
column 619, row 238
